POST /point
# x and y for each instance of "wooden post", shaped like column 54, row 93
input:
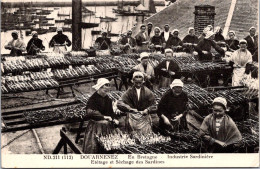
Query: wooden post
column 76, row 27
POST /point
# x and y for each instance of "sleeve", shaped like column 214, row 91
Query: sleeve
column 122, row 103
column 97, row 40
column 217, row 48
column 68, row 41
column 162, row 105
column 134, row 42
column 185, row 39
column 22, row 46
column 151, row 101
column 92, row 110
column 51, row 44
column 196, row 40
column 29, row 45
column 186, row 105
column 180, row 42
column 42, row 46
column 198, row 48
column 9, row 44
column 138, row 40
column 204, row 131
column 157, row 70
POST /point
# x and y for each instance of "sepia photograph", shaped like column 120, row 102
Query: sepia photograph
column 129, row 80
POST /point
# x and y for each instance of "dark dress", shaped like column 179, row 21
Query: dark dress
column 158, row 40
column 59, row 39
column 171, row 106
column 232, row 44
column 252, row 45
column 97, row 125
column 103, row 42
column 190, row 39
column 165, row 79
column 30, row 48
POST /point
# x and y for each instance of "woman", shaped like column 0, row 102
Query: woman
column 138, row 102
column 35, row 45
column 167, row 69
column 232, row 43
column 101, row 115
column 157, row 42
column 218, row 131
column 204, row 47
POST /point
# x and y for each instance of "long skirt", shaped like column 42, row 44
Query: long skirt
column 138, row 123
column 165, row 81
column 96, row 128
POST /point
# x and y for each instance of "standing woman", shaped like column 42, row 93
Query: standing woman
column 157, row 42
column 218, row 131
column 167, row 69
column 101, row 115
column 232, row 42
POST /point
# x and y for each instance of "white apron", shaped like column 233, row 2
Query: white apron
column 238, row 74
column 59, row 49
column 139, row 123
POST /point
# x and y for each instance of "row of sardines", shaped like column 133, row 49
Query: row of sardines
column 198, row 97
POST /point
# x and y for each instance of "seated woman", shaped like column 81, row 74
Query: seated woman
column 218, row 131
column 101, row 115
column 157, row 42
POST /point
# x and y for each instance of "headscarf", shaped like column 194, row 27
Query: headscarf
column 168, row 50
column 59, row 29
column 101, row 82
column 34, row 32
column 220, row 100
column 242, row 41
column 138, row 73
column 175, row 30
column 176, row 82
column 157, row 28
column 252, row 28
column 231, row 31
column 190, row 28
column 143, row 55
column 15, row 32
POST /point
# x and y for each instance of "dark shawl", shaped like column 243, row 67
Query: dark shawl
column 228, row 131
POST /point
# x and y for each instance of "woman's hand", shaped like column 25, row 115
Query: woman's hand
column 144, row 113
column 108, row 118
column 223, row 144
column 207, row 138
column 116, row 122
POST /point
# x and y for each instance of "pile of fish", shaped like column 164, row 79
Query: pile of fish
column 70, row 112
column 180, row 144
column 28, row 77
column 121, row 140
column 115, row 141
column 58, row 61
column 75, row 72
column 12, row 87
column 24, row 65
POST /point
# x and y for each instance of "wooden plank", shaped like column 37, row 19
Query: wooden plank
column 69, row 141
column 15, row 121
column 12, row 116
